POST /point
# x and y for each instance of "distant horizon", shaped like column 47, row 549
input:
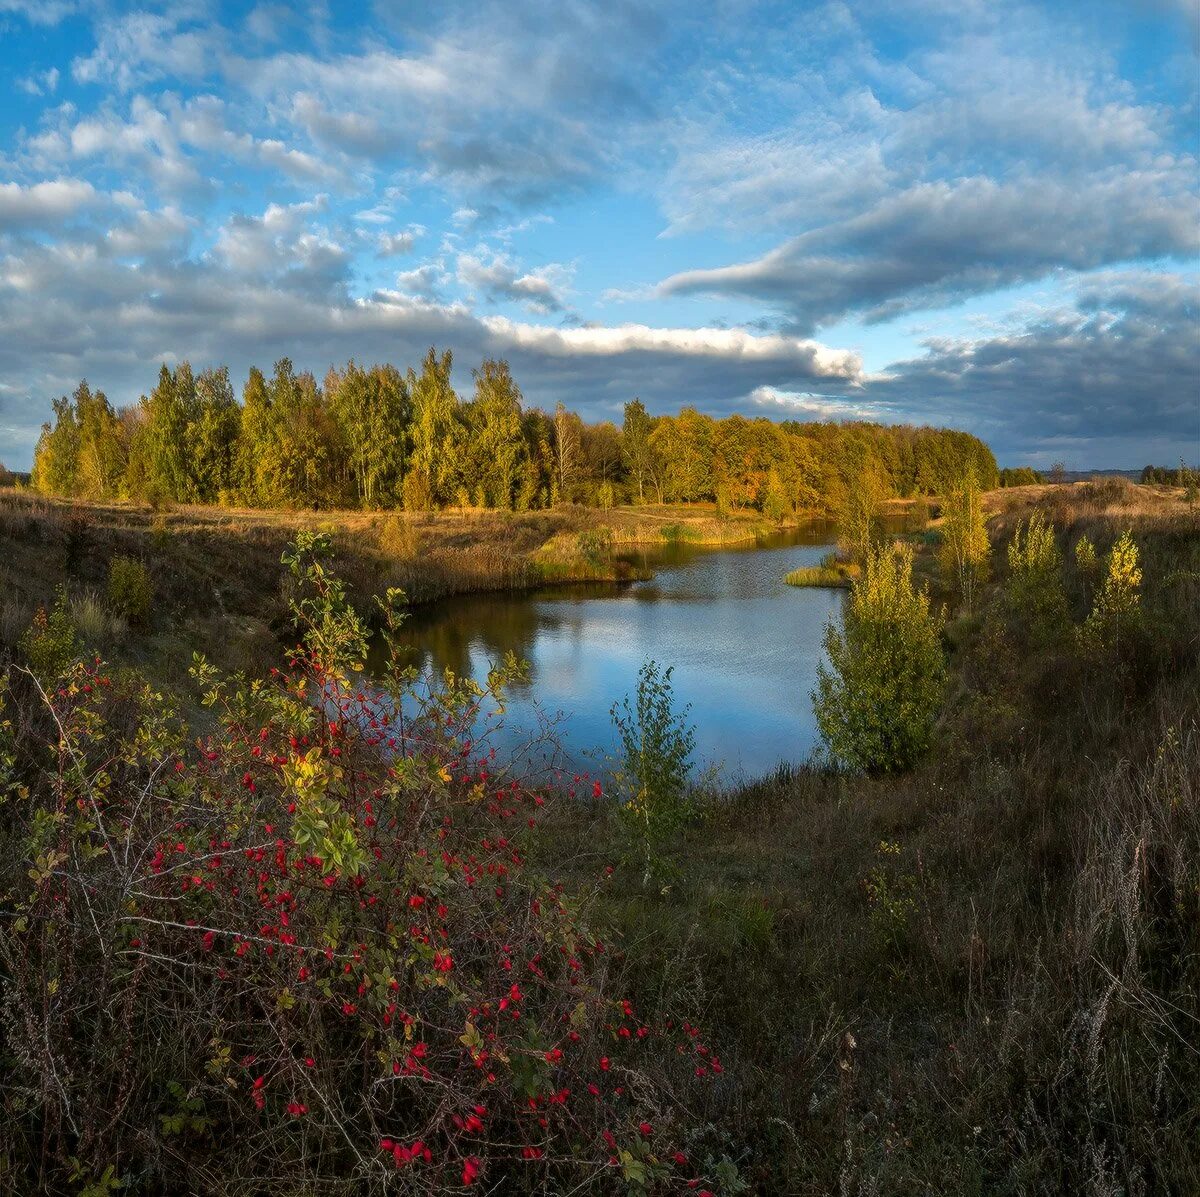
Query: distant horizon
column 962, row 215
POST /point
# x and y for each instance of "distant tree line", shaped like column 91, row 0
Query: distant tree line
column 375, row 437
column 1166, row 476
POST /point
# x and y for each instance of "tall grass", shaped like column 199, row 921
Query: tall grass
column 833, row 573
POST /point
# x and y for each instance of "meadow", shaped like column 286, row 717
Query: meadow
column 257, row 943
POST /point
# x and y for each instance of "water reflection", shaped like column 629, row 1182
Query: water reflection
column 743, row 644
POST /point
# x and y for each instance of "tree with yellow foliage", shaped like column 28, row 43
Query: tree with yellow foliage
column 1117, row 612
column 965, row 547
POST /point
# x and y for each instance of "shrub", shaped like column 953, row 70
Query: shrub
column 877, row 700
column 595, row 545
column 130, row 590
column 1087, row 565
column 893, row 897
column 399, row 537
column 50, row 643
column 964, row 548
column 96, row 624
column 298, row 949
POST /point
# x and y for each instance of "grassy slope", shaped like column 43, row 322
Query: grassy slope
column 1008, row 1004
column 1005, row 1000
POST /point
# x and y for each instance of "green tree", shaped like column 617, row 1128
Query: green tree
column 858, row 513
column 877, row 700
column 496, row 450
column 567, row 449
column 635, row 445
column 255, row 443
column 434, row 464
column 102, row 450
column 212, row 437
column 1117, row 613
column 164, row 457
column 1035, row 587
column 965, row 548
column 775, row 500
column 372, row 411
column 301, row 469
column 56, row 455
column 657, row 743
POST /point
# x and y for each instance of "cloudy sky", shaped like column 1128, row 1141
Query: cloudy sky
column 961, row 212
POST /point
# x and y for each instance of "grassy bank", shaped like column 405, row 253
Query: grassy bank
column 832, row 573
column 216, row 575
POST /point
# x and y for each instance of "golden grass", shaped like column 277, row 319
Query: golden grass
column 831, row 574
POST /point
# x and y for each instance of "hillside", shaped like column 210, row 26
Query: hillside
column 353, row 965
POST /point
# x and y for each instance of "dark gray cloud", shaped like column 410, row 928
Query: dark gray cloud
column 1110, row 380
column 937, row 243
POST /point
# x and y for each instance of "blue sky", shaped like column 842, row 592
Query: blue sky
column 947, row 211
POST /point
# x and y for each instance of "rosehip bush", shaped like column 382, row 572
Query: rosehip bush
column 294, row 947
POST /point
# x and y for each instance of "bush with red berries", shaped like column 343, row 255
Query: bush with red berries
column 293, row 946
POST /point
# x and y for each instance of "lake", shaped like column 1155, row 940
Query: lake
column 743, row 644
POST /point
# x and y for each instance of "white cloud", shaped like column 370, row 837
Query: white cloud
column 40, row 12
column 142, row 46
column 165, row 138
column 46, row 204
column 717, row 344
column 40, row 83
column 286, row 246
column 391, row 245
column 540, row 290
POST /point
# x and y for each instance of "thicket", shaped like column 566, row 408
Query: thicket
column 1182, row 475
column 379, row 438
column 295, row 946
column 1021, row 476
column 978, row 975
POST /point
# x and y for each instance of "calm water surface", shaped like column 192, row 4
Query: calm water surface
column 743, row 644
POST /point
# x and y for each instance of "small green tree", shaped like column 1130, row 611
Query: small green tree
column 775, row 500
column 1087, row 565
column 1117, row 612
column 1035, row 590
column 50, row 643
column 877, row 700
column 656, row 760
column 1189, row 481
column 858, row 515
column 130, row 590
column 965, row 547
